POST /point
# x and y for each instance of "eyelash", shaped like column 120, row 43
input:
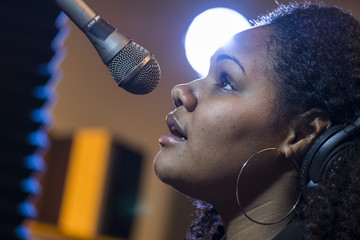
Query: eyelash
column 224, row 79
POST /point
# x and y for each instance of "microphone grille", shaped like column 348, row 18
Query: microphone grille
column 126, row 61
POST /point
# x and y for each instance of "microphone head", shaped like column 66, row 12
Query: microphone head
column 135, row 69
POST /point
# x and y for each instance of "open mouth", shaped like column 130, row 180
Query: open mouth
column 175, row 128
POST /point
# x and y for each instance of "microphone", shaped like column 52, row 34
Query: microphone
column 133, row 67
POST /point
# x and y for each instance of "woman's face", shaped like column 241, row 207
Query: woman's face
column 221, row 120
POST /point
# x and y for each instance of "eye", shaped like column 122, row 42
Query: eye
column 225, row 81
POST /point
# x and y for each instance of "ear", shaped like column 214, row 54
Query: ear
column 304, row 129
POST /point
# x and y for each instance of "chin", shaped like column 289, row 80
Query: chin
column 176, row 181
column 179, row 177
column 166, row 173
column 162, row 169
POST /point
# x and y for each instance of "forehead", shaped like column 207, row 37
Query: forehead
column 249, row 41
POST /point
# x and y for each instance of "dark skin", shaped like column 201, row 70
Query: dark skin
column 223, row 119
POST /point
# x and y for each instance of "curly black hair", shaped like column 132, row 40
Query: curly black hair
column 316, row 64
column 332, row 209
column 316, row 60
column 207, row 223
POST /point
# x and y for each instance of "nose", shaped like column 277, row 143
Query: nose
column 183, row 95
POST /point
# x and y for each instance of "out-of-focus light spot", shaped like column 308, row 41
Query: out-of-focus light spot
column 21, row 232
column 38, row 138
column 41, row 115
column 208, row 32
column 27, row 209
column 64, row 31
column 44, row 92
column 31, row 185
column 35, row 162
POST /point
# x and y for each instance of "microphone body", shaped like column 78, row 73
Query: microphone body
column 133, row 67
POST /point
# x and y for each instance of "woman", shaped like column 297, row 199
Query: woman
column 239, row 136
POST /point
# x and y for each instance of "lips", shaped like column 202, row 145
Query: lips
column 176, row 135
column 174, row 127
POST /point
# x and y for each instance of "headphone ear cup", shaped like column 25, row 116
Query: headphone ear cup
column 313, row 154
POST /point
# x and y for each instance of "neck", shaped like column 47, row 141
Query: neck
column 240, row 227
column 266, row 207
column 269, row 207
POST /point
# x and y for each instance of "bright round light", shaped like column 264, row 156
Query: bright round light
column 208, row 32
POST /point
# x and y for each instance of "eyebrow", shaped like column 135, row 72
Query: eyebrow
column 225, row 56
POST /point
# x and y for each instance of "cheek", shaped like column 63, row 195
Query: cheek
column 216, row 122
column 229, row 134
column 227, row 126
column 216, row 137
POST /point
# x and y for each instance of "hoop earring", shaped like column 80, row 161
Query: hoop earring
column 241, row 173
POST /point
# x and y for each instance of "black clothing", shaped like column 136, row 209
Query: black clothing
column 292, row 231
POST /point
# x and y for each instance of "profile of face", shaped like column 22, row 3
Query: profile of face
column 221, row 120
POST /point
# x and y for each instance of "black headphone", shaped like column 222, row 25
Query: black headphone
column 324, row 150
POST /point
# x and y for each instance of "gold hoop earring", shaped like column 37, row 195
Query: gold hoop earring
column 270, row 178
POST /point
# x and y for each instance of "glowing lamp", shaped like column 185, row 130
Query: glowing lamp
column 207, row 32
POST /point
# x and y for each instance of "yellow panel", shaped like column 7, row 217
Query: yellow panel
column 85, row 182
